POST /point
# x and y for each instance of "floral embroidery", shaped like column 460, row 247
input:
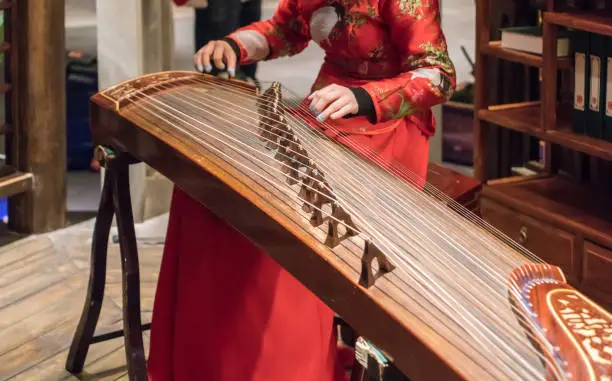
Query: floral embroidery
column 406, row 53
column 410, row 7
column 404, row 109
column 431, row 56
column 353, row 21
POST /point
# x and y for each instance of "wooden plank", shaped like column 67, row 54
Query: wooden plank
column 494, row 49
column 590, row 22
column 22, row 249
column 52, row 368
column 36, row 281
column 15, row 183
column 47, row 344
column 39, row 114
column 33, row 264
column 43, row 290
column 56, row 313
column 37, row 302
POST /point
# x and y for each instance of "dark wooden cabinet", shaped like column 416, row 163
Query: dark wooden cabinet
column 584, row 256
column 549, row 243
column 597, row 272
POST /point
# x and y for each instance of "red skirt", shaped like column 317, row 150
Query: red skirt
column 225, row 311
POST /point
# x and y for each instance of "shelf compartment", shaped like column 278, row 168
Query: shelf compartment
column 525, row 117
column 494, row 49
column 600, row 24
column 560, row 202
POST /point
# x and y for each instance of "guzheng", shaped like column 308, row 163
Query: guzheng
column 444, row 294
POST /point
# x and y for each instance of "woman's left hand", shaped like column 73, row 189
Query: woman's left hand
column 333, row 102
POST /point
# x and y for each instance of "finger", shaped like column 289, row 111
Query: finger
column 345, row 110
column 204, row 58
column 197, row 62
column 332, row 108
column 325, row 91
column 218, row 54
column 324, row 99
column 230, row 58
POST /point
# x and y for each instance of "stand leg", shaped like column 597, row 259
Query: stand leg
column 97, row 278
column 132, row 327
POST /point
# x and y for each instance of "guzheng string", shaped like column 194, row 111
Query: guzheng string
column 185, row 114
column 410, row 176
column 427, row 188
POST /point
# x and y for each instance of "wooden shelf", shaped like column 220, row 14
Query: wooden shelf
column 523, row 117
column 526, row 118
column 494, row 49
column 583, row 21
column 561, row 201
column 15, row 183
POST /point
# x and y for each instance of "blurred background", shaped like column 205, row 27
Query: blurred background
column 115, row 48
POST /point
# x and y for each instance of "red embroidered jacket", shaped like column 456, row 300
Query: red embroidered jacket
column 393, row 49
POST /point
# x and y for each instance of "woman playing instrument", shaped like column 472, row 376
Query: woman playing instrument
column 224, row 310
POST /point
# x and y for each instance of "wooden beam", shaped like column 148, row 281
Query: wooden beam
column 38, row 145
column 481, row 128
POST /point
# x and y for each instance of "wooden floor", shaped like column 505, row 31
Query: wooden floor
column 42, row 288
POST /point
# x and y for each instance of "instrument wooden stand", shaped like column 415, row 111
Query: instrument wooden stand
column 115, row 201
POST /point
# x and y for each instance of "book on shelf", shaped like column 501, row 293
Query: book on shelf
column 597, row 88
column 529, row 39
column 580, row 46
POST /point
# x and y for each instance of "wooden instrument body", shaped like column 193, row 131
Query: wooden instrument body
column 384, row 314
column 244, row 206
column 580, row 329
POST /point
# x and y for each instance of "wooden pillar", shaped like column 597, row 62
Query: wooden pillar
column 38, row 144
column 481, row 101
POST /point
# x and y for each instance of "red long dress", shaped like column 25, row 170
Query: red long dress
column 224, row 310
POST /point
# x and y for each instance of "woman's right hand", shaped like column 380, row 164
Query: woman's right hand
column 220, row 53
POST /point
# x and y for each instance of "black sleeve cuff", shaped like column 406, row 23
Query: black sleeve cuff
column 235, row 48
column 365, row 103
